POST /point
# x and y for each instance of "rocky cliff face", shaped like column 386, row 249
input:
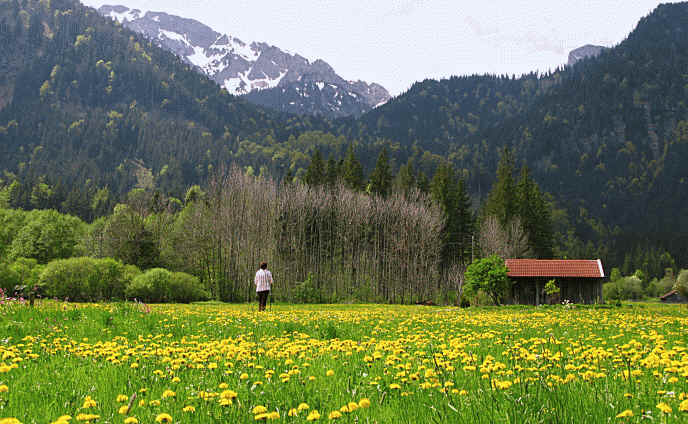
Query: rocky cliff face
column 263, row 73
column 586, row 51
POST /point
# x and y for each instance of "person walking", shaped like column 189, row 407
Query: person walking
column 263, row 282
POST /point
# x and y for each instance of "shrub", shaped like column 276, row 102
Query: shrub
column 306, row 291
column 682, row 283
column 11, row 221
column 9, row 279
column 84, row 279
column 489, row 275
column 158, row 285
column 187, row 288
column 658, row 288
column 47, row 235
column 623, row 289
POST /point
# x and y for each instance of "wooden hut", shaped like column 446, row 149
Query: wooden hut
column 673, row 297
column 579, row 281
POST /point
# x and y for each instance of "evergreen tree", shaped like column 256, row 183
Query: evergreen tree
column 535, row 215
column 315, row 174
column 422, row 182
column 381, row 177
column 406, row 178
column 331, row 172
column 352, row 171
column 465, row 222
column 502, row 202
column 454, row 201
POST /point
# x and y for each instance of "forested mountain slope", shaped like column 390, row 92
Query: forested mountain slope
column 83, row 99
column 606, row 136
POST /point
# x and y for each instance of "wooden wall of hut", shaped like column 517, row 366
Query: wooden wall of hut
column 530, row 291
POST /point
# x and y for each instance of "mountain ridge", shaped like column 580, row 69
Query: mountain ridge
column 293, row 83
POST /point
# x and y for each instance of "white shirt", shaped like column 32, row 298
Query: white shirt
column 263, row 280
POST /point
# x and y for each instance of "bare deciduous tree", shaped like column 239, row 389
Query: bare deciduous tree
column 353, row 246
column 510, row 241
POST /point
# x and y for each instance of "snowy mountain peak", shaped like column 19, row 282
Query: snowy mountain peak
column 244, row 68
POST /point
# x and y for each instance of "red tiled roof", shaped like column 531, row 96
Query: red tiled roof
column 669, row 294
column 554, row 268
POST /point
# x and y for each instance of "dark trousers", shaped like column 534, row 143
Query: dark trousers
column 262, row 299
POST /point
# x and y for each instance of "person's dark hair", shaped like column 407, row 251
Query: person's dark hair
column 263, row 265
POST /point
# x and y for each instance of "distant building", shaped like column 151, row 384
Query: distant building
column 673, row 297
column 579, row 281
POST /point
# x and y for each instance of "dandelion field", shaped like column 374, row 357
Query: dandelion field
column 128, row 363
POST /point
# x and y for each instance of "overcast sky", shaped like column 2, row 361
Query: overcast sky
column 398, row 42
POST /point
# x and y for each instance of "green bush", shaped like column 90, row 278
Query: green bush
column 11, row 221
column 187, row 288
column 159, row 285
column 626, row 288
column 28, row 270
column 682, row 283
column 489, row 275
column 9, row 279
column 47, row 235
column 306, row 291
column 85, row 279
column 658, row 288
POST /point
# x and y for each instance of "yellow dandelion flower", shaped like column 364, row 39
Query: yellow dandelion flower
column 261, row 416
column 163, row 418
column 176, row 380
column 89, row 403
column 131, row 420
column 625, row 414
column 154, row 402
column 243, row 376
column 225, row 402
column 352, row 406
column 189, row 408
column 274, row 415
column 260, row 409
column 4, row 388
column 334, row 415
column 302, row 407
column 10, row 421
column 313, row 416
column 228, row 394
column 329, row 373
column 87, row 417
column 293, row 412
column 683, row 406
column 124, row 409
column 63, row 419
column 364, row 403
column 394, row 386
column 664, row 407
column 168, row 394
column 223, row 385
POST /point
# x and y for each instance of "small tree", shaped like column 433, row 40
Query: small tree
column 682, row 283
column 489, row 275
